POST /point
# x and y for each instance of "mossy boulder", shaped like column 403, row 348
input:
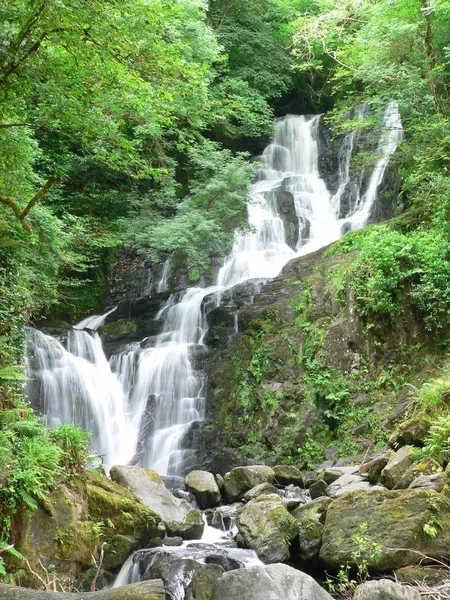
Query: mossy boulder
column 59, row 534
column 311, row 518
column 241, row 479
column 287, row 474
column 259, row 490
column 397, row 521
column 427, row 466
column 266, row 526
column 204, row 487
column 411, row 432
column 203, row 582
column 147, row 486
column 122, row 515
column 396, row 468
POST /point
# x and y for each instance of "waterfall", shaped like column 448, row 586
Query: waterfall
column 290, row 212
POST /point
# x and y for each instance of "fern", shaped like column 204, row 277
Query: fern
column 28, row 500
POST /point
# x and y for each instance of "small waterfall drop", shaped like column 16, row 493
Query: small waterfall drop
column 290, row 212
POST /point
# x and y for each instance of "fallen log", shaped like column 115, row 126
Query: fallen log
column 145, row 590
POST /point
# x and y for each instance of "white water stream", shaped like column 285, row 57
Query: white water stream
column 109, row 399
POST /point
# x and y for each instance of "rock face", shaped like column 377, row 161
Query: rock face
column 260, row 385
column 272, row 582
column 148, row 487
column 241, row 479
column 204, row 487
column 148, row 590
column 266, row 526
column 385, row 589
column 395, row 520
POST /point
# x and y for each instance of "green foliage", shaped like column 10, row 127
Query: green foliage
column 366, row 553
column 391, row 264
column 205, row 220
column 74, row 445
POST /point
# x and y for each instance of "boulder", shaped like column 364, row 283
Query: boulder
column 271, row 582
column 347, row 483
column 148, row 487
column 241, row 479
column 287, row 474
column 147, row 590
column 373, row 467
column 318, row 488
column 428, row 466
column 331, row 474
column 397, row 467
column 411, row 432
column 203, row 582
column 259, row 490
column 204, row 487
column 394, row 520
column 311, row 518
column 266, row 526
column 385, row 589
column 427, row 575
column 435, row 482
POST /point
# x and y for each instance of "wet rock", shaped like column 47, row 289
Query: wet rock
column 287, row 475
column 241, row 479
column 397, row 467
column 204, row 487
column 286, row 209
column 270, row 582
column 266, row 526
column 172, row 541
column 203, row 582
column 318, row 488
column 148, row 487
column 311, row 518
column 394, row 520
column 385, row 589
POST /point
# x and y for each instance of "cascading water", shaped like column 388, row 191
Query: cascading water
column 78, row 385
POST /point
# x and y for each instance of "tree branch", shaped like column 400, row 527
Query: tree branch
column 22, row 214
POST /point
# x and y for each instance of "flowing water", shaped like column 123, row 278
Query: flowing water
column 110, row 399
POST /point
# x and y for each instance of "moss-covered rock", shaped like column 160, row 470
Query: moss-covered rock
column 403, row 523
column 204, row 487
column 395, row 470
column 266, row 526
column 59, row 534
column 147, row 486
column 241, row 479
column 122, row 515
column 311, row 518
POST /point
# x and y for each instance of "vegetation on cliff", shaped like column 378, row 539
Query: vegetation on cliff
column 127, row 123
